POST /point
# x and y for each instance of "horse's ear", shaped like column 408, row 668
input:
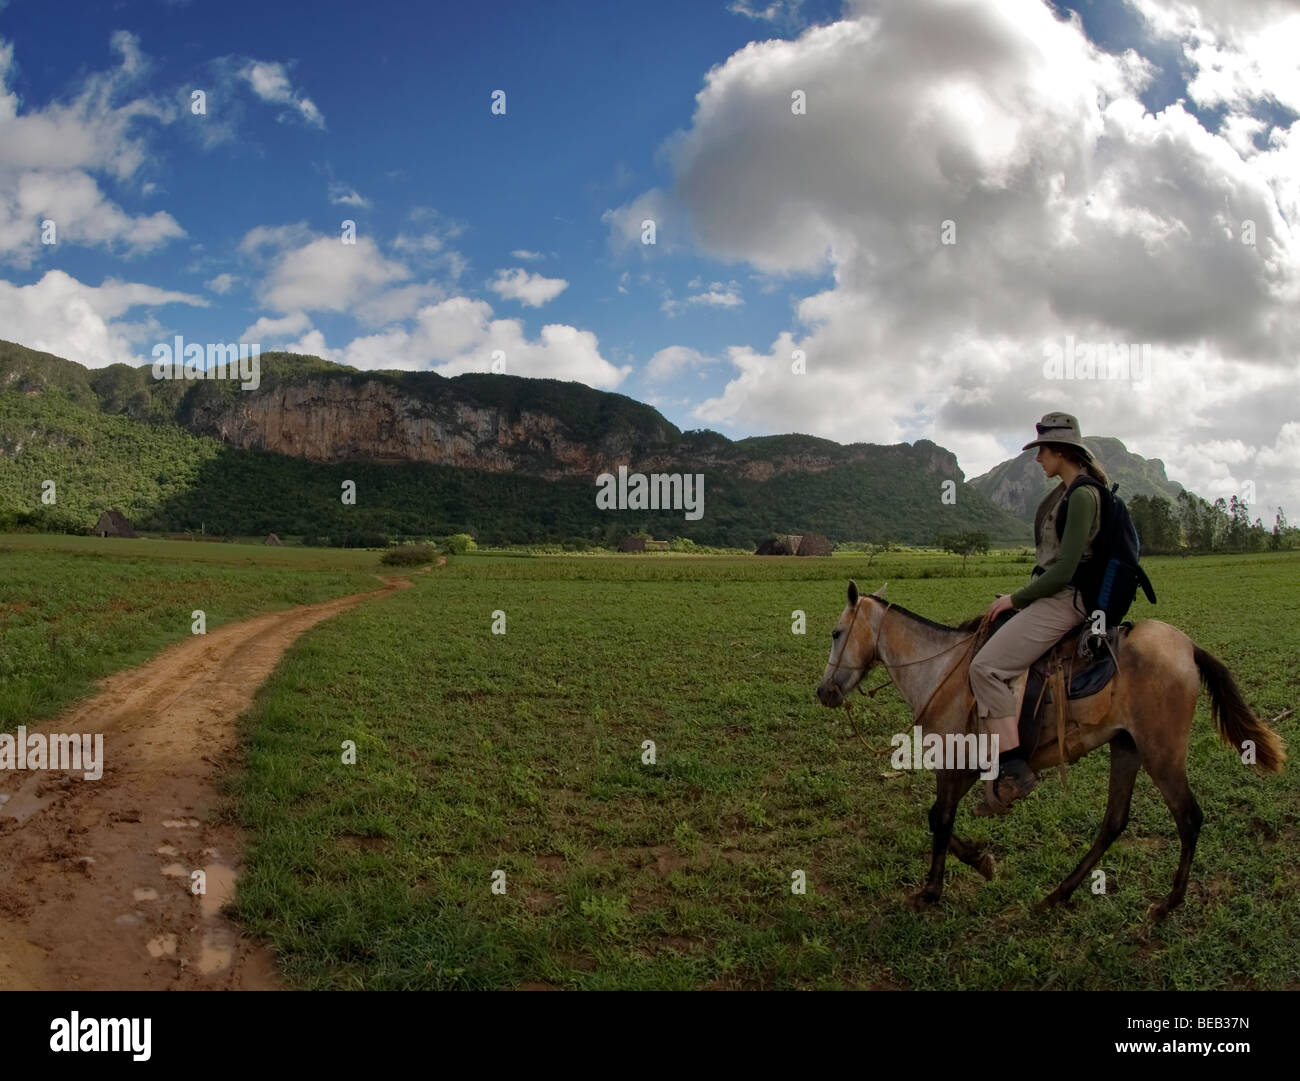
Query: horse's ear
column 881, row 591
column 853, row 592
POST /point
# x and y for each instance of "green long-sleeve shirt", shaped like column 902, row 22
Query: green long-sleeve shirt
column 1078, row 530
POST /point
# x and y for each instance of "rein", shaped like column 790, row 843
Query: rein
column 972, row 637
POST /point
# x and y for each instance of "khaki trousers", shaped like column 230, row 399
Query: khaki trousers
column 1009, row 653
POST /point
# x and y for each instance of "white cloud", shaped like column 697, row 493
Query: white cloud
column 460, row 335
column 671, row 362
column 718, row 295
column 327, row 275
column 270, row 82
column 48, row 157
column 274, row 237
column 775, row 11
column 627, row 226
column 1076, row 213
column 59, row 314
column 272, row 330
column 532, row 290
column 344, row 195
column 221, row 284
column 525, row 254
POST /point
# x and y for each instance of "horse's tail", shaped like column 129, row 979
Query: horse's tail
column 1234, row 718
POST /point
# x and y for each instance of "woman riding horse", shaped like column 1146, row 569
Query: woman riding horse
column 1046, row 609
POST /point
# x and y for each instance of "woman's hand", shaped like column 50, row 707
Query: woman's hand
column 999, row 606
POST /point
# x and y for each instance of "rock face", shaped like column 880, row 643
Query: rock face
column 1018, row 484
column 329, row 419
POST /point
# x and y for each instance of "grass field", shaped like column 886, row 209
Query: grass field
column 75, row 609
column 522, row 752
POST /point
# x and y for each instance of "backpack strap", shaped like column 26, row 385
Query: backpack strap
column 1103, row 502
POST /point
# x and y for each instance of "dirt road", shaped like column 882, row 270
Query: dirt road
column 95, row 875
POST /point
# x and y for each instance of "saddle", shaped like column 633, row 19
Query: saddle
column 1081, row 664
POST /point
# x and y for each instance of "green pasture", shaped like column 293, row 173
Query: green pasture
column 75, row 609
column 522, row 752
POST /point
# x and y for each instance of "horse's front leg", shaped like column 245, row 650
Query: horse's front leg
column 952, row 785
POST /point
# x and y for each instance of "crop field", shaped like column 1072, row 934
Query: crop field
column 523, row 752
column 520, row 758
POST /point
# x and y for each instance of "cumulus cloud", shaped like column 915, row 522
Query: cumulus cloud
column 979, row 180
column 774, row 11
column 461, row 335
column 49, row 157
column 718, row 295
column 270, row 82
column 671, row 362
column 531, row 290
column 268, row 329
column 344, row 195
column 325, row 274
column 221, row 284
column 61, row 315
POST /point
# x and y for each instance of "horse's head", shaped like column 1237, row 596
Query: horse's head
column 853, row 648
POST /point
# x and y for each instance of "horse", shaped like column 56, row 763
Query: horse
column 1147, row 720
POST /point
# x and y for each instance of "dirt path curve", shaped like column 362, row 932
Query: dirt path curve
column 95, row 875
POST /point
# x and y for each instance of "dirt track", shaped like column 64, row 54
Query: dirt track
column 95, row 875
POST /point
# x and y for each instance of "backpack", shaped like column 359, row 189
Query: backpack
column 1109, row 581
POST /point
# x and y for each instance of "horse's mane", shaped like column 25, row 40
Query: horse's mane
column 965, row 626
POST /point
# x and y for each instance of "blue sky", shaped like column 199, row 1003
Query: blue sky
column 1100, row 163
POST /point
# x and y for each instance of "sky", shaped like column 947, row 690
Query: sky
column 873, row 220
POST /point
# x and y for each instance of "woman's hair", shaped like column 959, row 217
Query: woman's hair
column 1090, row 466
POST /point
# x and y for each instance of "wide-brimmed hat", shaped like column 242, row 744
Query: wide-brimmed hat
column 1060, row 428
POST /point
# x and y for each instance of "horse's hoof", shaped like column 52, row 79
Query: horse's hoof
column 919, row 899
column 1158, row 911
column 986, row 866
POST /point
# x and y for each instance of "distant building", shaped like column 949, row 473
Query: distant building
column 632, row 544
column 113, row 523
column 272, row 539
column 814, row 544
column 795, row 544
column 656, row 546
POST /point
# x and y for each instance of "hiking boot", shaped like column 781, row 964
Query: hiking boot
column 1015, row 781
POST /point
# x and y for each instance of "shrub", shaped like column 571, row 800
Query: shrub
column 409, row 555
column 460, row 543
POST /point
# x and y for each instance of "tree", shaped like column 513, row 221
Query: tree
column 1156, row 523
column 964, row 544
column 1279, row 530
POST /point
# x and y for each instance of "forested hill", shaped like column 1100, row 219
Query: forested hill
column 504, row 458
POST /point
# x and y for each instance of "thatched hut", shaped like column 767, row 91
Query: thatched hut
column 113, row 523
column 272, row 539
column 778, row 544
column 632, row 544
column 814, row 544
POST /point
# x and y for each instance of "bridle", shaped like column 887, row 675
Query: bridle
column 972, row 637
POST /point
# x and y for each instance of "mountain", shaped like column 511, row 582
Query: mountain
column 1018, row 485
column 505, row 458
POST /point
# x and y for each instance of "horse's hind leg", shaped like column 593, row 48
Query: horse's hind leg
column 1124, row 764
column 1172, row 782
column 952, row 785
column 973, row 855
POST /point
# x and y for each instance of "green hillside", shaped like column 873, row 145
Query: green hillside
column 114, row 437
